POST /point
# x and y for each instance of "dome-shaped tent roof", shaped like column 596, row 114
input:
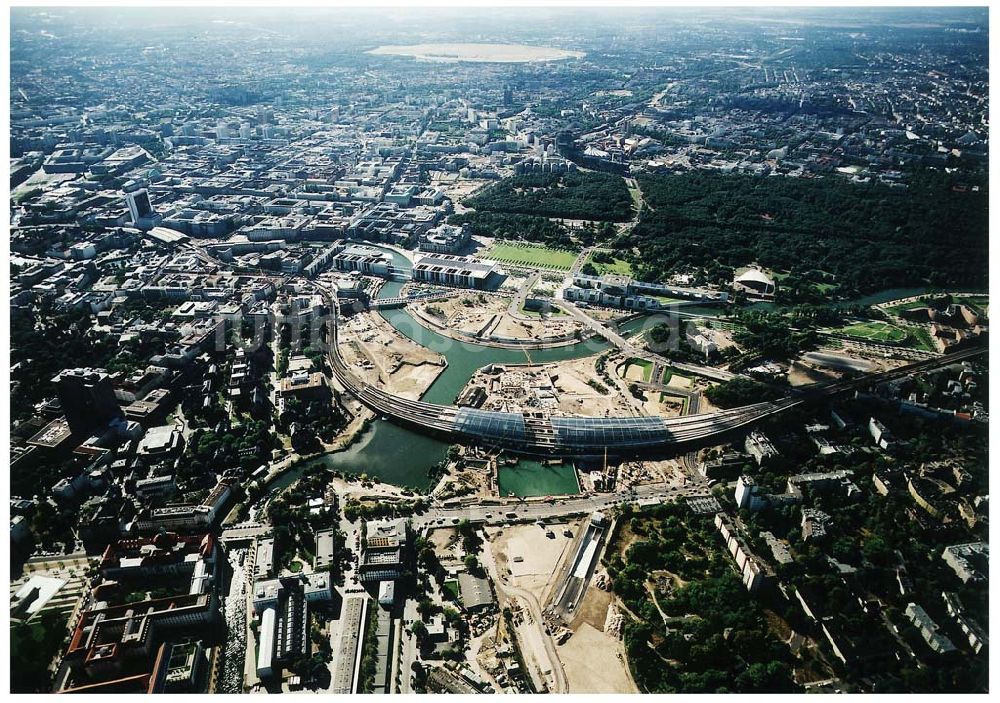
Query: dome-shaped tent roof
column 755, row 276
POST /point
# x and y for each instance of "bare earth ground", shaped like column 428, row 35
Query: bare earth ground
column 475, row 312
column 351, row 488
column 579, row 398
column 603, row 314
column 536, row 328
column 540, row 556
column 801, row 375
column 636, row 473
column 467, row 317
column 454, row 188
column 572, row 394
column 705, row 406
column 459, row 482
column 670, row 406
column 532, row 575
column 681, row 382
column 447, row 545
column 593, row 609
column 634, row 372
column 397, row 363
column 594, row 662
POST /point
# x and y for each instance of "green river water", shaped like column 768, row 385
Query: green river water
column 532, row 478
column 403, row 457
column 400, row 456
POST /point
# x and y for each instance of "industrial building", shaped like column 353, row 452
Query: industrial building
column 283, row 605
column 476, row 591
column 347, row 647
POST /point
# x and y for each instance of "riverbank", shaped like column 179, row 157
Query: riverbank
column 384, row 358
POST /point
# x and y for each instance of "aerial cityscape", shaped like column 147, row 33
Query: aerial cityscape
column 499, row 350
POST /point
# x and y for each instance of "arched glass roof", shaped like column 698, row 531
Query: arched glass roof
column 488, row 425
column 607, row 431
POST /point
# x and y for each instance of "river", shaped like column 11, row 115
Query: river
column 404, row 457
column 883, row 296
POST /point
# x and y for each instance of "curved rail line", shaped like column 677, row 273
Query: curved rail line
column 540, row 433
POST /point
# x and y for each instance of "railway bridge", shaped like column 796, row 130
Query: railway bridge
column 545, row 434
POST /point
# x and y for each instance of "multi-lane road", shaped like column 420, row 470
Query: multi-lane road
column 631, row 349
column 499, row 514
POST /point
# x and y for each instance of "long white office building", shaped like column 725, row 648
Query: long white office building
column 459, row 271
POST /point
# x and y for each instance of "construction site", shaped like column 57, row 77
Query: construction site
column 563, row 621
column 381, row 356
column 511, row 315
column 571, row 387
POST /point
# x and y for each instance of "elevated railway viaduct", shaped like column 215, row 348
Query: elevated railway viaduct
column 543, row 434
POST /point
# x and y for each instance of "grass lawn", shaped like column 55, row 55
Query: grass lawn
column 618, row 267
column 452, row 588
column 979, row 303
column 874, row 332
column 823, row 288
column 902, row 307
column 636, row 198
column 531, row 256
column 922, row 339
column 666, row 300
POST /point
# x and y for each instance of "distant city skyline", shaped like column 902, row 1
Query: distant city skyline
column 499, row 350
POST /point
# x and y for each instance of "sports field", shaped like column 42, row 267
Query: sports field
column 638, row 370
column 531, row 256
column 874, row 332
